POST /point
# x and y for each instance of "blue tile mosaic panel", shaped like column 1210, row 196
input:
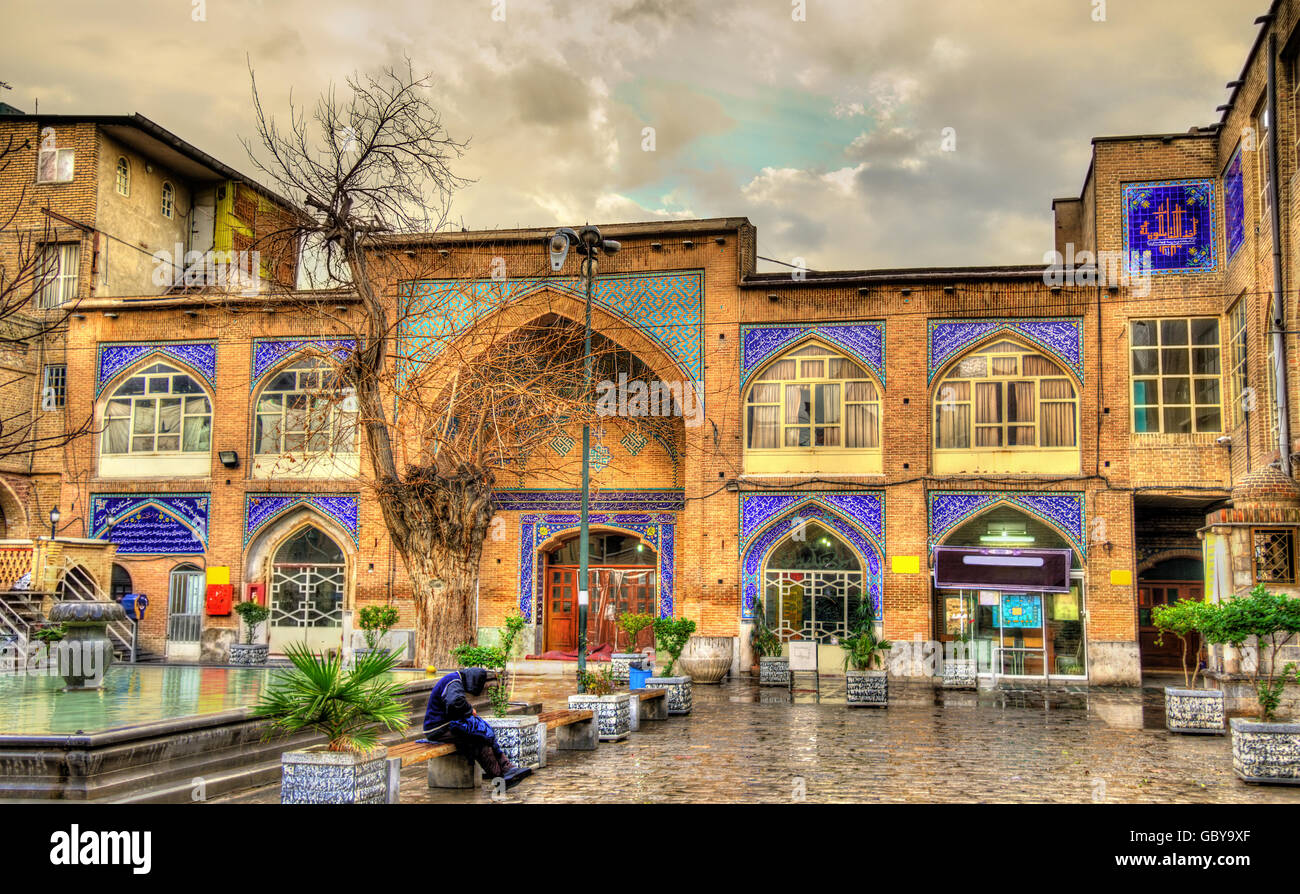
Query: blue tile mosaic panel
column 1060, row 338
column 530, row 500
column 667, row 307
column 261, row 509
column 1064, row 511
column 655, row 528
column 864, row 341
column 199, row 356
column 1020, row 610
column 1234, row 204
column 1174, row 220
column 767, row 518
column 152, row 524
column 269, row 353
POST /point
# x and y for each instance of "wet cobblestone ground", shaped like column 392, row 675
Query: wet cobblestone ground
column 748, row 744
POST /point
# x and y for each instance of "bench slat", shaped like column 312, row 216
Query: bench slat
column 417, row 752
column 556, row 719
column 648, row 694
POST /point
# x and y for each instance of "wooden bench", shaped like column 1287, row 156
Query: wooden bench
column 574, row 730
column 654, row 706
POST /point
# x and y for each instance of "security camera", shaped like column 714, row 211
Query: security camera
column 558, row 245
column 1224, row 440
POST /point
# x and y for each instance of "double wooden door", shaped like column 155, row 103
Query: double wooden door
column 614, row 591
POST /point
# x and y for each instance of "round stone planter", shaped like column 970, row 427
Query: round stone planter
column 678, row 692
column 319, row 776
column 249, row 654
column 1267, row 753
column 1194, row 711
column 613, row 713
column 707, row 659
column 521, row 739
column 85, row 653
column 960, row 674
column 619, row 662
column 774, row 670
column 866, row 689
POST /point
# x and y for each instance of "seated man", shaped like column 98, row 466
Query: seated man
column 450, row 718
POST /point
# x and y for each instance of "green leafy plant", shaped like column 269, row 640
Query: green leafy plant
column 599, row 683
column 252, row 615
column 632, row 625
column 672, row 634
column 763, row 640
column 49, row 633
column 1186, row 619
column 495, row 658
column 348, row 708
column 376, row 621
column 863, row 651
column 1274, row 620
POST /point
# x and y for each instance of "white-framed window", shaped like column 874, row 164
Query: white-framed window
column 813, row 397
column 1261, row 159
column 302, row 410
column 168, row 200
column 159, row 409
column 123, row 177
column 60, row 262
column 55, row 165
column 54, row 386
column 1175, row 366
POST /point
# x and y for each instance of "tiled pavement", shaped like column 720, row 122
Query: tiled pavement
column 746, row 744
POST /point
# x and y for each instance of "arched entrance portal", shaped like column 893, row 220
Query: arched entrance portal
column 308, row 576
column 1019, row 617
column 812, row 585
column 621, row 570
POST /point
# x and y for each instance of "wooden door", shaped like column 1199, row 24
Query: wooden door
column 562, row 600
column 1167, row 655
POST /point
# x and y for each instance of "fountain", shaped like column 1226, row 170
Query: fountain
column 85, row 652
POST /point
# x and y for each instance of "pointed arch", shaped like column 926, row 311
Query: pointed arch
column 1062, row 512
column 263, row 546
column 16, row 520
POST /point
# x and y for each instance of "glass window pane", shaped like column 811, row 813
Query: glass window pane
column 144, row 417
column 1173, row 332
column 813, row 369
column 796, row 437
column 1207, row 391
column 116, row 436
column 765, row 394
column 1005, row 366
column 780, row 371
column 159, row 385
column 828, row 404
column 1144, row 362
column 169, row 416
column 1205, row 361
column 972, row 368
column 1146, row 419
column 858, row 391
column 196, row 405
column 118, row 409
column 1174, row 363
column 283, row 381
column 1176, row 391
column 1207, row 419
column 169, row 442
column 1144, row 391
column 267, row 436
column 134, row 385
column 988, row 402
column 197, row 433
column 270, row 403
column 1142, row 332
column 1205, row 331
column 142, row 445
column 185, row 385
column 1178, row 420
column 798, row 403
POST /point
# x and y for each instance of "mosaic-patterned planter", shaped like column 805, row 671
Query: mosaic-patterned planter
column 1266, row 752
column 1194, row 711
column 960, row 674
column 774, row 671
column 318, row 776
column 678, row 692
column 866, row 689
column 613, row 713
column 247, row 654
column 521, row 739
column 619, row 662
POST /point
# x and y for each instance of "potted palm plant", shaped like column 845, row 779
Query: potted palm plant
column 1264, row 750
column 1190, row 710
column 866, row 682
column 631, row 624
column 348, row 709
column 671, row 636
column 375, row 622
column 773, row 667
column 250, row 651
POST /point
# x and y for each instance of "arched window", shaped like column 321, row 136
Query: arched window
column 168, row 200
column 123, row 176
column 812, row 409
column 812, row 585
column 158, row 410
column 303, row 410
column 307, row 581
column 1005, row 397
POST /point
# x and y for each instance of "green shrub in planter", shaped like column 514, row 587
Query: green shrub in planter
column 376, row 621
column 1274, row 620
column 672, row 635
column 1186, row 619
column 252, row 615
column 632, row 625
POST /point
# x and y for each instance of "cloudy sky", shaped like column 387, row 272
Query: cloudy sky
column 826, row 133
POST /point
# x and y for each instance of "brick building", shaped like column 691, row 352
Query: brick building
column 1021, row 457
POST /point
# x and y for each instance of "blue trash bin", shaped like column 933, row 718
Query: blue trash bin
column 636, row 677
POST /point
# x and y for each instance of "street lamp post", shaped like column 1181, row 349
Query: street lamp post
column 589, row 244
column 54, row 521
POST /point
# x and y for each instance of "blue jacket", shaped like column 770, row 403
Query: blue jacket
column 449, row 699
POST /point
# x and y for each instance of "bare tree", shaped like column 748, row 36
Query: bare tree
column 442, row 415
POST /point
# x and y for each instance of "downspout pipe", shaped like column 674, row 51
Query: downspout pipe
column 1278, row 316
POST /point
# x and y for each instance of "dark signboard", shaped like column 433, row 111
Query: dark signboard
column 1041, row 570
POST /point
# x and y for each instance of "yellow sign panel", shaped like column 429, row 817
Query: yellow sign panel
column 218, row 574
column 1122, row 578
column 907, row 564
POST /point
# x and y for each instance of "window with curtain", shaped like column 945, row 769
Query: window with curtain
column 59, row 263
column 158, row 410
column 1005, row 396
column 1239, row 379
column 813, row 398
column 1176, row 375
column 303, row 410
column 123, row 177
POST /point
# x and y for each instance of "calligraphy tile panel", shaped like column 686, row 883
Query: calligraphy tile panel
column 152, row 524
column 1174, row 220
column 1234, row 204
